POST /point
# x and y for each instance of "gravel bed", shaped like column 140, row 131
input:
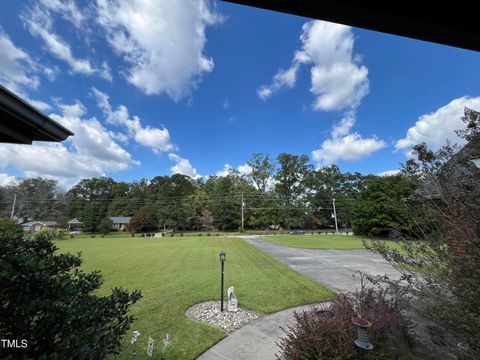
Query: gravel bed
column 209, row 313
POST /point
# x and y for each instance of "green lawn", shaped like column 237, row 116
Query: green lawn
column 327, row 242
column 175, row 273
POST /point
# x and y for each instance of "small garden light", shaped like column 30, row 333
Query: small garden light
column 362, row 336
column 223, row 257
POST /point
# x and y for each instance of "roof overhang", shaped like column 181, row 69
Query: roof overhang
column 21, row 123
column 442, row 22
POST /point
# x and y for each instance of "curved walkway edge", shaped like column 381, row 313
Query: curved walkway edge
column 332, row 268
column 256, row 340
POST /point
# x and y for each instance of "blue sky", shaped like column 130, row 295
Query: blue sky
column 196, row 87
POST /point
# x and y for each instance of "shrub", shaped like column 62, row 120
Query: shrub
column 10, row 228
column 93, row 235
column 200, row 234
column 105, row 226
column 71, row 236
column 328, row 333
column 208, row 234
column 60, row 234
column 172, row 235
column 132, row 234
column 181, row 234
column 49, row 301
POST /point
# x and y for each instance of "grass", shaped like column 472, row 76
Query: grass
column 175, row 273
column 326, row 242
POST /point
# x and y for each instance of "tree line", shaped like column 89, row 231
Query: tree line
column 286, row 192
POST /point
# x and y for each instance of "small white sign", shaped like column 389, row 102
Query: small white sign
column 150, row 347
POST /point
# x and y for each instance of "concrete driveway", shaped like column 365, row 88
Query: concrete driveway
column 332, row 268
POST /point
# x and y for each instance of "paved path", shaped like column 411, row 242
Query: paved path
column 255, row 341
column 333, row 268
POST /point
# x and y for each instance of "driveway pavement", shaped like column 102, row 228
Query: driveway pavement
column 332, row 268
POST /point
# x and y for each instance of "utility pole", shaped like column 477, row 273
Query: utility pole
column 335, row 215
column 243, row 206
column 13, row 206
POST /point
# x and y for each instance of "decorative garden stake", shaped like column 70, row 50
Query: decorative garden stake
column 134, row 340
column 223, row 257
column 150, row 347
column 362, row 336
column 166, row 344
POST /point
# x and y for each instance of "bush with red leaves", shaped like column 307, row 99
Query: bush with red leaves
column 328, row 332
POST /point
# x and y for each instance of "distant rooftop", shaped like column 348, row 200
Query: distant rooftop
column 120, row 219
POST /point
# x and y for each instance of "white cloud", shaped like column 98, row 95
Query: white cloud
column 6, row 179
column 338, row 79
column 158, row 139
column 345, row 145
column 243, row 169
column 67, row 8
column 183, row 166
column 39, row 104
column 162, row 41
column 226, row 103
column 76, row 110
column 227, row 169
column 39, row 21
column 92, row 151
column 16, row 66
column 389, row 173
column 281, row 79
column 439, row 126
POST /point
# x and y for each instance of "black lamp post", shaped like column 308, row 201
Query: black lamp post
column 223, row 257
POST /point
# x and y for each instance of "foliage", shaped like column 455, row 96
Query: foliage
column 441, row 267
column 262, row 170
column 105, row 226
column 48, row 301
column 9, row 228
column 328, row 333
column 381, row 204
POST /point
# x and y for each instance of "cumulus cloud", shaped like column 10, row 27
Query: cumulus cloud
column 243, row 169
column 91, row 152
column 338, row 80
column 39, row 21
column 439, row 126
column 389, row 173
column 162, row 41
column 158, row 139
column 345, row 145
column 16, row 66
column 6, row 179
column 40, row 105
column 182, row 166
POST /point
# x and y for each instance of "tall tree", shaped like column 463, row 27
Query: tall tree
column 174, row 195
column 90, row 199
column 291, row 176
column 262, row 170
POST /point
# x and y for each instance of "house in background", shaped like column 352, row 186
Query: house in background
column 120, row 223
column 75, row 225
column 34, row 226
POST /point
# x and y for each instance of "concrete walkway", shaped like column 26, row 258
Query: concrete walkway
column 332, row 268
column 255, row 341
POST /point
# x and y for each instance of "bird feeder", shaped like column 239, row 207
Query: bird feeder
column 362, row 340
